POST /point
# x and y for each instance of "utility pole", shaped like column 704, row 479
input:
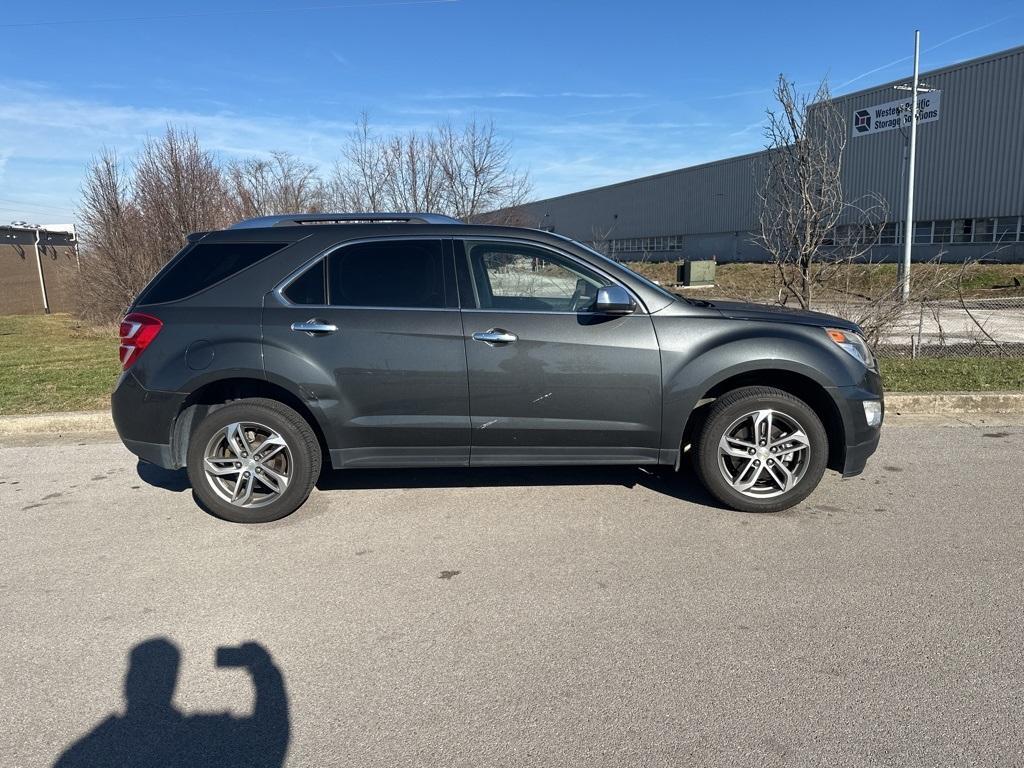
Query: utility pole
column 908, row 227
column 39, row 267
column 39, row 260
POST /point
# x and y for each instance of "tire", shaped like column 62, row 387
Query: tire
column 237, row 437
column 782, row 477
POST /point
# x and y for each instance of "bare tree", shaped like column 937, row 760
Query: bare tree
column 282, row 183
column 115, row 265
column 805, row 223
column 360, row 180
column 413, row 178
column 477, row 170
column 178, row 189
column 464, row 172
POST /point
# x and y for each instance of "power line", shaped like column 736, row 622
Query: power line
column 35, row 208
column 30, row 204
column 226, row 12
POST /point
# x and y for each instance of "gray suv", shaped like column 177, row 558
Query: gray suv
column 414, row 340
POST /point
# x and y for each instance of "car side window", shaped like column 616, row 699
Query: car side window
column 310, row 287
column 521, row 277
column 387, row 273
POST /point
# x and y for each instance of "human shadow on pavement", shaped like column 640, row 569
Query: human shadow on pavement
column 683, row 485
column 153, row 732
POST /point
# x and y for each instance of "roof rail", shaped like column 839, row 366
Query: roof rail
column 295, row 219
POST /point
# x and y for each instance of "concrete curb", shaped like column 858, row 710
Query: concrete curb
column 938, row 403
column 56, row 423
column 924, row 403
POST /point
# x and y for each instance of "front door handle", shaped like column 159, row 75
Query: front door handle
column 495, row 336
column 315, row 327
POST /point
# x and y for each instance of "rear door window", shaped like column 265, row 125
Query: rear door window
column 203, row 265
column 388, row 273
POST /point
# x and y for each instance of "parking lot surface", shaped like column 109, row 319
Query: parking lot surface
column 520, row 617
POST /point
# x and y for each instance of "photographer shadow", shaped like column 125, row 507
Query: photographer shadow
column 153, row 732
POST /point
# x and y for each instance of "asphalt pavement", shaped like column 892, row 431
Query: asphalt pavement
column 591, row 617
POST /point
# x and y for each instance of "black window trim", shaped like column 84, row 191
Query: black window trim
column 280, row 288
column 463, row 259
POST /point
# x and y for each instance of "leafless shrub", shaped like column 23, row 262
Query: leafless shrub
column 178, row 189
column 601, row 240
column 282, row 183
column 115, row 264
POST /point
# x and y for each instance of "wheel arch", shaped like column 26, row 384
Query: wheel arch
column 219, row 392
column 793, row 382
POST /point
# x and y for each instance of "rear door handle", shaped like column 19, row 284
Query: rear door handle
column 315, row 327
column 495, row 336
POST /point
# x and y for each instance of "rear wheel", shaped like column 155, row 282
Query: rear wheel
column 761, row 450
column 253, row 461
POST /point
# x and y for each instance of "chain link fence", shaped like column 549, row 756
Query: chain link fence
column 945, row 328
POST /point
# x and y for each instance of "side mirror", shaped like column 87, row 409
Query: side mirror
column 614, row 300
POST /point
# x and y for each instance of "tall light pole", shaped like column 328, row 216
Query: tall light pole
column 908, row 227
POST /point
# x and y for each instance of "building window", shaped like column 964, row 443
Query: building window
column 963, row 229
column 646, row 244
column 943, row 231
column 1006, row 229
column 982, row 231
column 923, row 232
column 890, row 234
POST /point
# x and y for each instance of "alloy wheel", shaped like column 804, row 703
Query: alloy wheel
column 764, row 453
column 248, row 464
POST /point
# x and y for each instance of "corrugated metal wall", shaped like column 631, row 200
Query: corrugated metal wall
column 713, row 198
column 970, row 164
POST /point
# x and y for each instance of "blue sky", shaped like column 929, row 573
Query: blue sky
column 589, row 93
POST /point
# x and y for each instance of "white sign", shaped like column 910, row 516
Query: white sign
column 896, row 114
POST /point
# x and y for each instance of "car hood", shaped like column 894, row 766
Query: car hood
column 741, row 310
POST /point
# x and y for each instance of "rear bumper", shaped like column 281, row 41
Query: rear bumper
column 144, row 419
column 861, row 439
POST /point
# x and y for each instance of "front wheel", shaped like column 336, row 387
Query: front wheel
column 253, row 461
column 761, row 450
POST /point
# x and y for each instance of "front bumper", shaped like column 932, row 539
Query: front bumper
column 145, row 418
column 861, row 439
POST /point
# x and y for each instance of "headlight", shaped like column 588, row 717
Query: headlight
column 854, row 344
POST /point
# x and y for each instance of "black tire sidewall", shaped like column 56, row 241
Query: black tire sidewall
column 719, row 420
column 303, row 474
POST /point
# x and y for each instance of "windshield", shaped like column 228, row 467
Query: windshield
column 646, row 281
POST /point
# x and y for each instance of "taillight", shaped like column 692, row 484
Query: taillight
column 137, row 332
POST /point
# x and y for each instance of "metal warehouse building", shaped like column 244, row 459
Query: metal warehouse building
column 969, row 197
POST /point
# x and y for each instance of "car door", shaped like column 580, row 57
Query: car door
column 371, row 333
column 550, row 380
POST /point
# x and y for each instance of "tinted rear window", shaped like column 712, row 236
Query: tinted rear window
column 204, row 264
column 400, row 273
